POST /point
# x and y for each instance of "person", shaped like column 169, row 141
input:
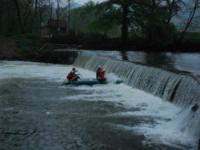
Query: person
column 72, row 75
column 100, row 74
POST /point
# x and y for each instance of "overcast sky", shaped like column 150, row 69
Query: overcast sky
column 63, row 2
column 84, row 1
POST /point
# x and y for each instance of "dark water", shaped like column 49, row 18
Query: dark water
column 184, row 62
column 35, row 116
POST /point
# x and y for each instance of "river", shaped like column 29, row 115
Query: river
column 181, row 62
column 38, row 113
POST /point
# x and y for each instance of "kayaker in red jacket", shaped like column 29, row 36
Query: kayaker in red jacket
column 100, row 74
column 72, row 75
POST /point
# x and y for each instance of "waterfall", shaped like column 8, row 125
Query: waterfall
column 182, row 90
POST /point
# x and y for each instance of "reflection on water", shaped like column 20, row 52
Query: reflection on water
column 160, row 60
column 187, row 62
column 124, row 55
column 62, row 56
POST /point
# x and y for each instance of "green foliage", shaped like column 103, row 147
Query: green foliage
column 152, row 20
column 25, row 42
column 147, row 20
column 193, row 36
column 24, row 45
column 106, row 21
column 95, row 18
column 21, row 16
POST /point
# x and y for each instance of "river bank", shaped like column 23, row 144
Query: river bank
column 40, row 52
column 41, row 49
column 181, row 62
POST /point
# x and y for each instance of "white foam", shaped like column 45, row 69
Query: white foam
column 173, row 126
column 177, row 132
column 20, row 69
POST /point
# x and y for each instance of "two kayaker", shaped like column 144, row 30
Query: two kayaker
column 100, row 74
column 73, row 75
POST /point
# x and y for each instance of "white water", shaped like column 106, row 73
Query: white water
column 187, row 62
column 174, row 126
column 180, row 89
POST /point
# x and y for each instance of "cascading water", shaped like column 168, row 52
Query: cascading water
column 36, row 112
column 182, row 90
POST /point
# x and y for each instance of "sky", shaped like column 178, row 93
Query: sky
column 84, row 1
column 63, row 3
column 81, row 2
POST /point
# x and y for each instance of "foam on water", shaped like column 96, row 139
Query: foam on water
column 20, row 69
column 173, row 125
column 178, row 131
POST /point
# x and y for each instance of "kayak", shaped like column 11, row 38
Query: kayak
column 88, row 82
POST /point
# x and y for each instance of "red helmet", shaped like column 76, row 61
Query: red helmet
column 100, row 67
column 73, row 69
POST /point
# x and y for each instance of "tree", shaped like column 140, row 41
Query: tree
column 50, row 11
column 17, row 5
column 122, row 6
column 69, row 13
column 152, row 19
column 190, row 19
column 58, row 9
column 173, row 8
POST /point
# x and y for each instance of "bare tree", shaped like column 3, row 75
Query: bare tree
column 190, row 19
column 124, row 10
column 50, row 12
column 124, row 30
column 58, row 10
column 17, row 5
column 36, row 8
column 173, row 8
column 69, row 14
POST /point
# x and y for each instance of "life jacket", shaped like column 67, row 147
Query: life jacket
column 72, row 76
column 100, row 74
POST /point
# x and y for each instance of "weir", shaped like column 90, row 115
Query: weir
column 182, row 90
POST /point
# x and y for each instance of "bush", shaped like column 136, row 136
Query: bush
column 26, row 42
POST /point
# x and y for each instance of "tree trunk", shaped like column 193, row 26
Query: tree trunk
column 50, row 10
column 69, row 15
column 36, row 8
column 58, row 10
column 170, row 5
column 124, row 29
column 58, row 14
column 19, row 15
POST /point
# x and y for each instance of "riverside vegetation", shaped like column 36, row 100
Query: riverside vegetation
column 113, row 24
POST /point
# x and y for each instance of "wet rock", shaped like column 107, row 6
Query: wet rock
column 195, row 108
column 199, row 145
